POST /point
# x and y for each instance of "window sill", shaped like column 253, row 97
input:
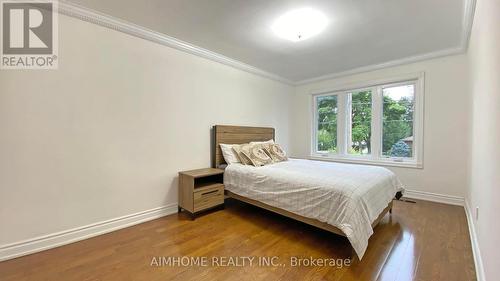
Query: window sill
column 368, row 161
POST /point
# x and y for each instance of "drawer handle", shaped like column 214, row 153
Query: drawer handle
column 213, row 191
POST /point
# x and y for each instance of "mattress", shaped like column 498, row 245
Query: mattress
column 347, row 196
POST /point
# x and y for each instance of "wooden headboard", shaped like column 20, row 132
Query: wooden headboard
column 236, row 135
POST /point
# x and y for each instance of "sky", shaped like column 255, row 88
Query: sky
column 396, row 93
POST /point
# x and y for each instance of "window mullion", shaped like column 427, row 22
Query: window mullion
column 342, row 124
column 418, row 121
column 314, row 140
column 348, row 122
column 376, row 137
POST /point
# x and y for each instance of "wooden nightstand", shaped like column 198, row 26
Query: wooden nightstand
column 200, row 190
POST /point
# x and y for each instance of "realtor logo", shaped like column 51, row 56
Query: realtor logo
column 29, row 35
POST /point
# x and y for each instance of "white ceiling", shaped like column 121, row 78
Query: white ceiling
column 360, row 32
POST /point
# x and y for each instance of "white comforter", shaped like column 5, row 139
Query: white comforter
column 349, row 197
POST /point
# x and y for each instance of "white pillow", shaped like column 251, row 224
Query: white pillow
column 229, row 154
column 262, row 142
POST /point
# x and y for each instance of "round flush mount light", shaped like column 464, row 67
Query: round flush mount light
column 299, row 25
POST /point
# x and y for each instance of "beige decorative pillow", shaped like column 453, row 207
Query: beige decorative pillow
column 265, row 144
column 257, row 154
column 262, row 142
column 276, row 152
column 238, row 151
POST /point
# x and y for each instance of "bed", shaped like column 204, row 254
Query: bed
column 345, row 199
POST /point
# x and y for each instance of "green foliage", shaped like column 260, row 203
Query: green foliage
column 326, row 141
column 397, row 123
column 361, row 117
column 327, row 123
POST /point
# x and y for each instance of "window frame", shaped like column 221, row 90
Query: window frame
column 376, row 157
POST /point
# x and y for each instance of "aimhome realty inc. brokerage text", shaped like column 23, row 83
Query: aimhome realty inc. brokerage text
column 246, row 261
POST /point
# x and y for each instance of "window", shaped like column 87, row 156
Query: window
column 397, row 127
column 327, row 123
column 374, row 123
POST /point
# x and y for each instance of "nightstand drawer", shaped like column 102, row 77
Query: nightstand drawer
column 208, row 196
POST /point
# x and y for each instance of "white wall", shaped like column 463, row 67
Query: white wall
column 484, row 192
column 105, row 135
column 446, row 124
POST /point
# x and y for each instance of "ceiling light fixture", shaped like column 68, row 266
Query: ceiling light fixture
column 299, row 25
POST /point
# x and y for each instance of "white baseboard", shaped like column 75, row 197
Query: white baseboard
column 434, row 197
column 478, row 261
column 53, row 240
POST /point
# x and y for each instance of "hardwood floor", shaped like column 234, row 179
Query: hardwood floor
column 423, row 241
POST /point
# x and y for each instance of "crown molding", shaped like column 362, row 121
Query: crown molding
column 468, row 18
column 76, row 11
column 368, row 68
